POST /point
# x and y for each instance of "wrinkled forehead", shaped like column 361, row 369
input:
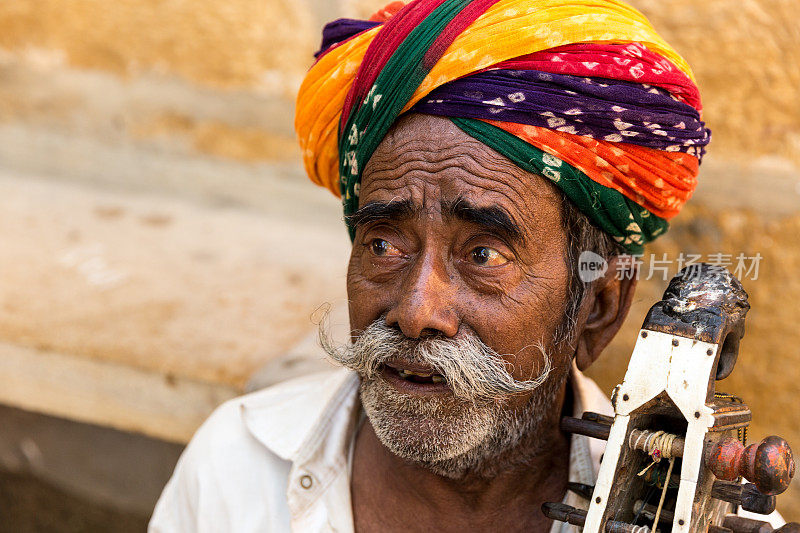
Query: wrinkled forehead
column 430, row 162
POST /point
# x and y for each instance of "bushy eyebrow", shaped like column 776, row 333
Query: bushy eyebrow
column 394, row 210
column 493, row 218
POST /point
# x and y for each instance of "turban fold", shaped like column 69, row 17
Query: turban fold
column 582, row 92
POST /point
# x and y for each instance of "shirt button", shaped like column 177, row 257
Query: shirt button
column 306, row 481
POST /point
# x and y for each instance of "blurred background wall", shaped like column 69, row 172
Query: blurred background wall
column 162, row 250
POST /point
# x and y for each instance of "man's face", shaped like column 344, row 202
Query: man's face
column 454, row 241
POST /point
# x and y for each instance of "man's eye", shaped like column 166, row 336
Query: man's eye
column 485, row 256
column 383, row 248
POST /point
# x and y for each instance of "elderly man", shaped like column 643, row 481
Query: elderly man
column 479, row 148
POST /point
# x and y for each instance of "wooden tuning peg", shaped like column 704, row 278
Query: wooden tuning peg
column 564, row 513
column 747, row 496
column 590, row 428
column 581, row 489
column 739, row 524
column 768, row 464
column 597, row 417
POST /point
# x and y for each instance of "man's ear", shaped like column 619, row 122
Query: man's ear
column 609, row 300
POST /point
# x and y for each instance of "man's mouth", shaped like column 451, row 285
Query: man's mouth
column 418, row 377
column 414, row 377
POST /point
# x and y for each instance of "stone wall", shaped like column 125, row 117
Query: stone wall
column 85, row 84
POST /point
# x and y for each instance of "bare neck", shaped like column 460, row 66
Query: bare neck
column 391, row 494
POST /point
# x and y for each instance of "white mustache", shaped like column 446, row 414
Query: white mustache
column 473, row 370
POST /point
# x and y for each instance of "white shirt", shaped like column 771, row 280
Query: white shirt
column 277, row 460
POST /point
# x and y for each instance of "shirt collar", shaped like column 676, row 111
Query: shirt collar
column 289, row 421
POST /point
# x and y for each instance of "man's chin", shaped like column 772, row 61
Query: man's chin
column 425, row 427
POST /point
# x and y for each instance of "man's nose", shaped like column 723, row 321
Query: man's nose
column 426, row 304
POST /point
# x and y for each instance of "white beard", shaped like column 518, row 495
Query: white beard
column 453, row 438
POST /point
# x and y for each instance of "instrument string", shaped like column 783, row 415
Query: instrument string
column 663, row 494
column 658, row 445
column 646, row 500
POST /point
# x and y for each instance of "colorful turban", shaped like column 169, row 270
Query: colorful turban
column 582, row 92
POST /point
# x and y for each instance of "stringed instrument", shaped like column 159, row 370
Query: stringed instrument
column 676, row 448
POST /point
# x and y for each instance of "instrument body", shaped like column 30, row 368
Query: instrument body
column 668, row 412
column 666, row 386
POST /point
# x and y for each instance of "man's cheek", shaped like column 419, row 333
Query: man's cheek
column 542, row 303
column 367, row 301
